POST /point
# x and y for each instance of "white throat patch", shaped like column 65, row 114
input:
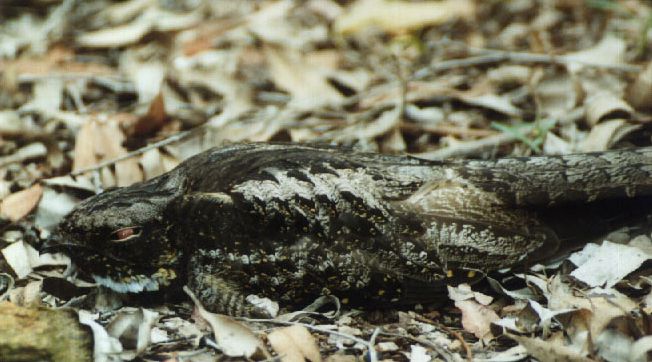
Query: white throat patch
column 132, row 285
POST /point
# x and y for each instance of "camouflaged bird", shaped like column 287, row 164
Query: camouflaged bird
column 291, row 222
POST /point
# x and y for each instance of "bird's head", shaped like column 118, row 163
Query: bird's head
column 124, row 237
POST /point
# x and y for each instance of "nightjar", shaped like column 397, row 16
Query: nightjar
column 291, row 222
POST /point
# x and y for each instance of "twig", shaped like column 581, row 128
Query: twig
column 488, row 56
column 467, row 148
column 373, row 356
column 467, row 349
column 174, row 138
column 445, row 130
column 372, row 340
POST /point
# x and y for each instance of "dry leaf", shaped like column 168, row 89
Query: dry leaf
column 398, row 16
column 105, row 347
column 605, row 134
column 606, row 264
column 153, row 120
column 384, row 123
column 294, row 344
column 152, row 18
column 147, row 76
column 550, row 350
column 477, row 318
column 509, row 74
column 100, row 141
column 27, row 296
column 17, row 205
column 557, row 95
column 232, row 337
column 599, row 305
column 23, row 258
column 491, row 101
column 419, row 354
column 271, row 24
column 117, row 36
column 18, row 258
column 605, row 105
column 53, row 207
column 132, row 327
column 48, row 94
column 640, row 349
column 307, row 84
column 609, row 51
column 639, row 93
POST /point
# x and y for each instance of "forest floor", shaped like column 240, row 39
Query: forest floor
column 96, row 94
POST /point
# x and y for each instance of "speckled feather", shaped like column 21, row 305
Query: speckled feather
column 291, row 222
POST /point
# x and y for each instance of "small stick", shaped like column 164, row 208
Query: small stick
column 469, row 354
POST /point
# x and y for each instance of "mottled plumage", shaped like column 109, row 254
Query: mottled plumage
column 291, row 222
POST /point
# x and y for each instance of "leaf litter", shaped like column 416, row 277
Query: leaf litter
column 102, row 93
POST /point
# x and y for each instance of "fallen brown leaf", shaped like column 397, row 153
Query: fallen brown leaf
column 294, row 344
column 17, row 205
column 398, row 16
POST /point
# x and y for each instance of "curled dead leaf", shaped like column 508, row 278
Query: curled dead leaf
column 232, row 337
column 606, row 105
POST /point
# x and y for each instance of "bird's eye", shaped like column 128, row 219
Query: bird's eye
column 125, row 234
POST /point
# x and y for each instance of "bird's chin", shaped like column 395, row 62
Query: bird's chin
column 132, row 284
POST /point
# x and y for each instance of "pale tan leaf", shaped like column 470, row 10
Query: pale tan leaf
column 233, row 338
column 639, row 93
column 557, row 95
column 398, row 16
column 125, row 10
column 171, row 21
column 383, row 124
column 117, row 36
column 98, row 141
column 84, row 153
column 128, row 171
column 554, row 145
column 17, row 205
column 294, row 344
column 609, row 51
column 491, row 101
column 307, row 85
column 271, row 24
column 509, row 74
column 548, row 351
column 477, row 318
